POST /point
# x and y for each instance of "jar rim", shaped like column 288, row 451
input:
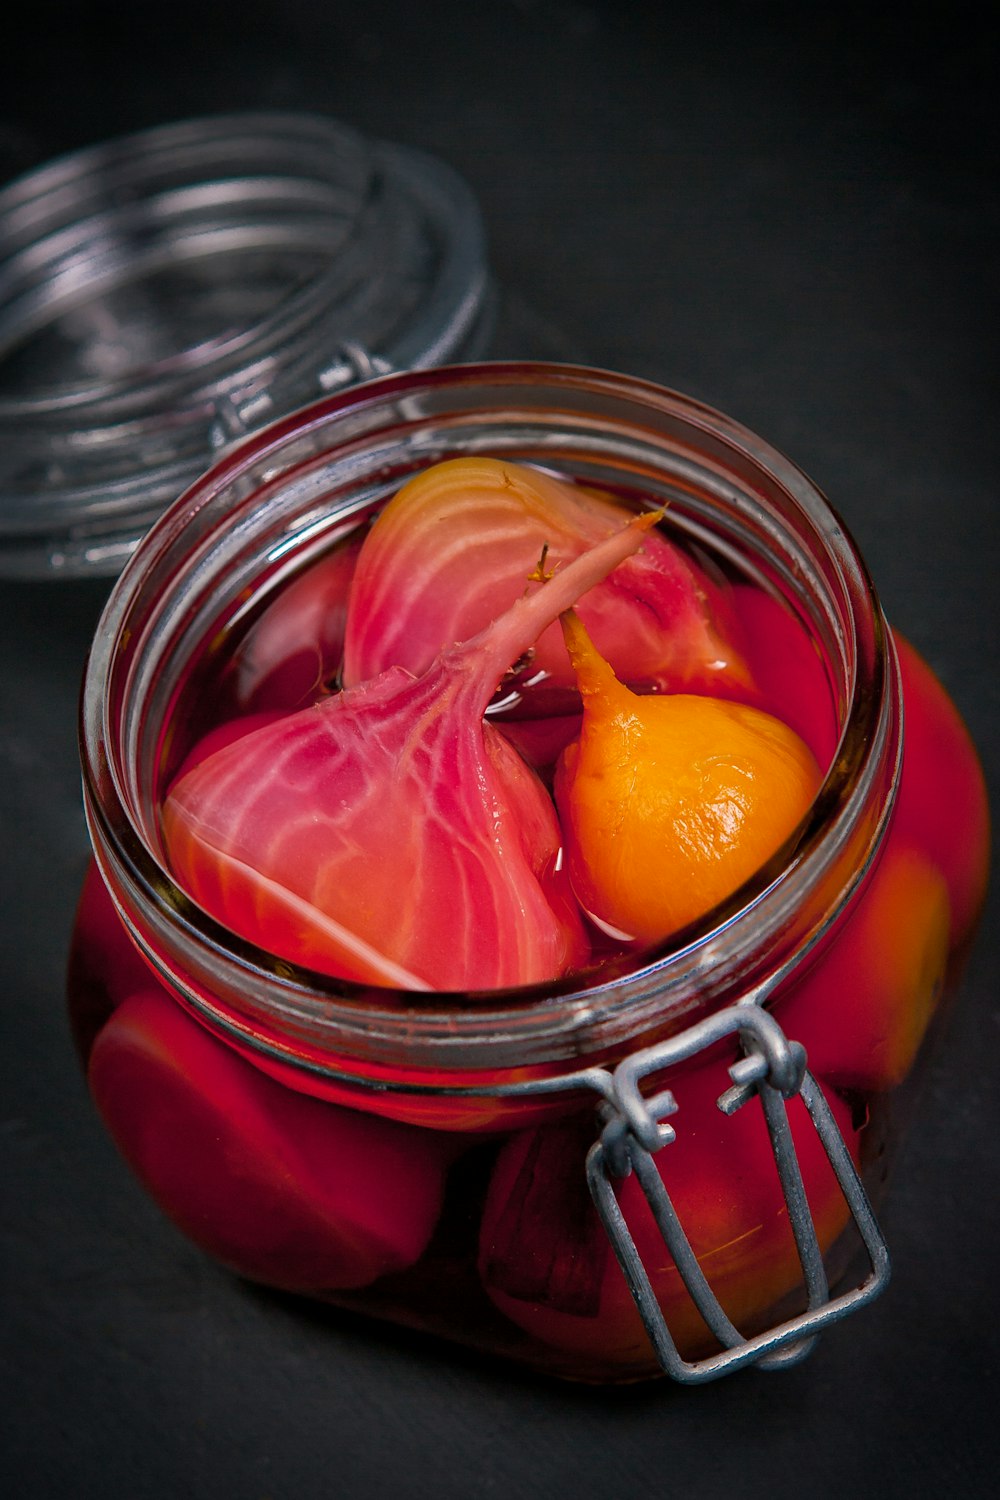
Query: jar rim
column 751, row 939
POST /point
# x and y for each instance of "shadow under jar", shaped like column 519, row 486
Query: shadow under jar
column 496, row 1167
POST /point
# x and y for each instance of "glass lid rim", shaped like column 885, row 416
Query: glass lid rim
column 423, row 178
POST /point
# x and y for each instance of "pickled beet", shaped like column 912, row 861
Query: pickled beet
column 280, row 1187
column 291, row 652
column 942, row 808
column 546, row 1262
column 451, row 550
column 104, row 966
column 671, row 801
column 387, row 834
column 866, row 999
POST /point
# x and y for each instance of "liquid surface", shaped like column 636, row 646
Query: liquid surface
column 453, row 557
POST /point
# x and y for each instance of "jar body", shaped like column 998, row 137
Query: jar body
column 431, row 1168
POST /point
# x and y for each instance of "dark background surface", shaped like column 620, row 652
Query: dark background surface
column 792, row 215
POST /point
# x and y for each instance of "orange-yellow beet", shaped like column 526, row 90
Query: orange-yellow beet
column 669, row 803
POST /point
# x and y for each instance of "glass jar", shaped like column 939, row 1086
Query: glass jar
column 495, row 1168
column 166, row 292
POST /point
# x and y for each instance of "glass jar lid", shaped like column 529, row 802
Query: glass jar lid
column 166, row 292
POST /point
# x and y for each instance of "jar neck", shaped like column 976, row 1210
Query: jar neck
column 284, row 496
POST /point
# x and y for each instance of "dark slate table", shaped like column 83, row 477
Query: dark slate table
column 792, row 216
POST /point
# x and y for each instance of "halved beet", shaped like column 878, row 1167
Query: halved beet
column 283, row 1188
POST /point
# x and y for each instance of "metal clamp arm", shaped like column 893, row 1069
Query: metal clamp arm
column 633, row 1131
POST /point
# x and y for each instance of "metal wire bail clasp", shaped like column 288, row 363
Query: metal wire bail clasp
column 242, row 411
column 634, row 1130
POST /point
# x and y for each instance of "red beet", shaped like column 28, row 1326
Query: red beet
column 386, row 834
column 283, row 1188
column 450, row 552
column 289, row 654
